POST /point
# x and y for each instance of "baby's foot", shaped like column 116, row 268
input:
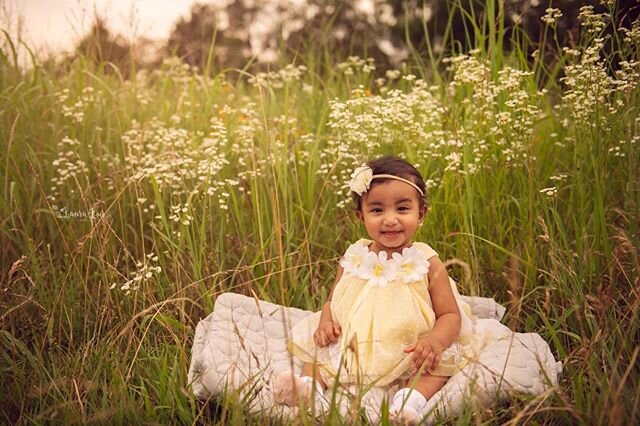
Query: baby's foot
column 288, row 388
column 407, row 407
column 404, row 416
column 371, row 401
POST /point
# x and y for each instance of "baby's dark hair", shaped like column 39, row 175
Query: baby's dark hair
column 391, row 165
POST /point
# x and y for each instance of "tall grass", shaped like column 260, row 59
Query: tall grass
column 129, row 205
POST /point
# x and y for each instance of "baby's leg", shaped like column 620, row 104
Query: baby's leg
column 409, row 402
column 427, row 385
column 313, row 371
column 289, row 387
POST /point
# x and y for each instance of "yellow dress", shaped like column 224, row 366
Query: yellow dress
column 383, row 306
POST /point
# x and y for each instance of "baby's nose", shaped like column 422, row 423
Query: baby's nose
column 391, row 219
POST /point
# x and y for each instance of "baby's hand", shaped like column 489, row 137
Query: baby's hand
column 327, row 332
column 426, row 352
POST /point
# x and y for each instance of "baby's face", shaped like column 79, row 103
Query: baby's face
column 391, row 213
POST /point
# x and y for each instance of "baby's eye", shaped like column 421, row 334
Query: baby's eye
column 403, row 208
column 376, row 210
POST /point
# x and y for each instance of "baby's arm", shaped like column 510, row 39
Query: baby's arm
column 328, row 330
column 428, row 349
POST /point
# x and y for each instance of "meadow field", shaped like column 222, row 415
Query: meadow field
column 128, row 205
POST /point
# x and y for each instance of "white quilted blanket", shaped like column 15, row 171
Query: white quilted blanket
column 241, row 346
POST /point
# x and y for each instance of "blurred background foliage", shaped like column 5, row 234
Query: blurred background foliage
column 246, row 34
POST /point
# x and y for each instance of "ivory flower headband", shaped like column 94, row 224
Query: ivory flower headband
column 362, row 176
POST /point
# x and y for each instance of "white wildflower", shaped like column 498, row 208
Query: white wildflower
column 550, row 192
column 551, row 15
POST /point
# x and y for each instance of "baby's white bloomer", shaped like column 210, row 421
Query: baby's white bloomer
column 308, row 382
column 407, row 406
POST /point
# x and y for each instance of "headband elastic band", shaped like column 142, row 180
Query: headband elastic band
column 407, row 181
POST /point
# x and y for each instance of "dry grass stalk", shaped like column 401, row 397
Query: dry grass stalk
column 515, row 290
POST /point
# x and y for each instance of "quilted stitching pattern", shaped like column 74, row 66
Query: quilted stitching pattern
column 241, row 346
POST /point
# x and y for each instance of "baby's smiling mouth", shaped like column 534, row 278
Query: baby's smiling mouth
column 390, row 233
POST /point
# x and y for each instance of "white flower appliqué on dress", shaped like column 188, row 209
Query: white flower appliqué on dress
column 412, row 265
column 378, row 270
column 353, row 259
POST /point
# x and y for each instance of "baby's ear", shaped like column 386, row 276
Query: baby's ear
column 423, row 212
column 359, row 215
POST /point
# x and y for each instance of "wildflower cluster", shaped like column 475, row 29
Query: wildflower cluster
column 589, row 87
column 551, row 16
column 178, row 160
column 550, row 192
column 498, row 118
column 75, row 107
column 592, row 23
column 174, row 69
column 142, row 202
column 145, row 271
column 393, row 74
column 243, row 152
column 560, row 177
column 180, row 214
column 69, row 169
column 631, row 37
column 498, row 115
column 364, row 124
column 306, row 142
column 355, row 64
column 140, row 86
column 279, row 79
column 628, row 76
column 620, row 150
